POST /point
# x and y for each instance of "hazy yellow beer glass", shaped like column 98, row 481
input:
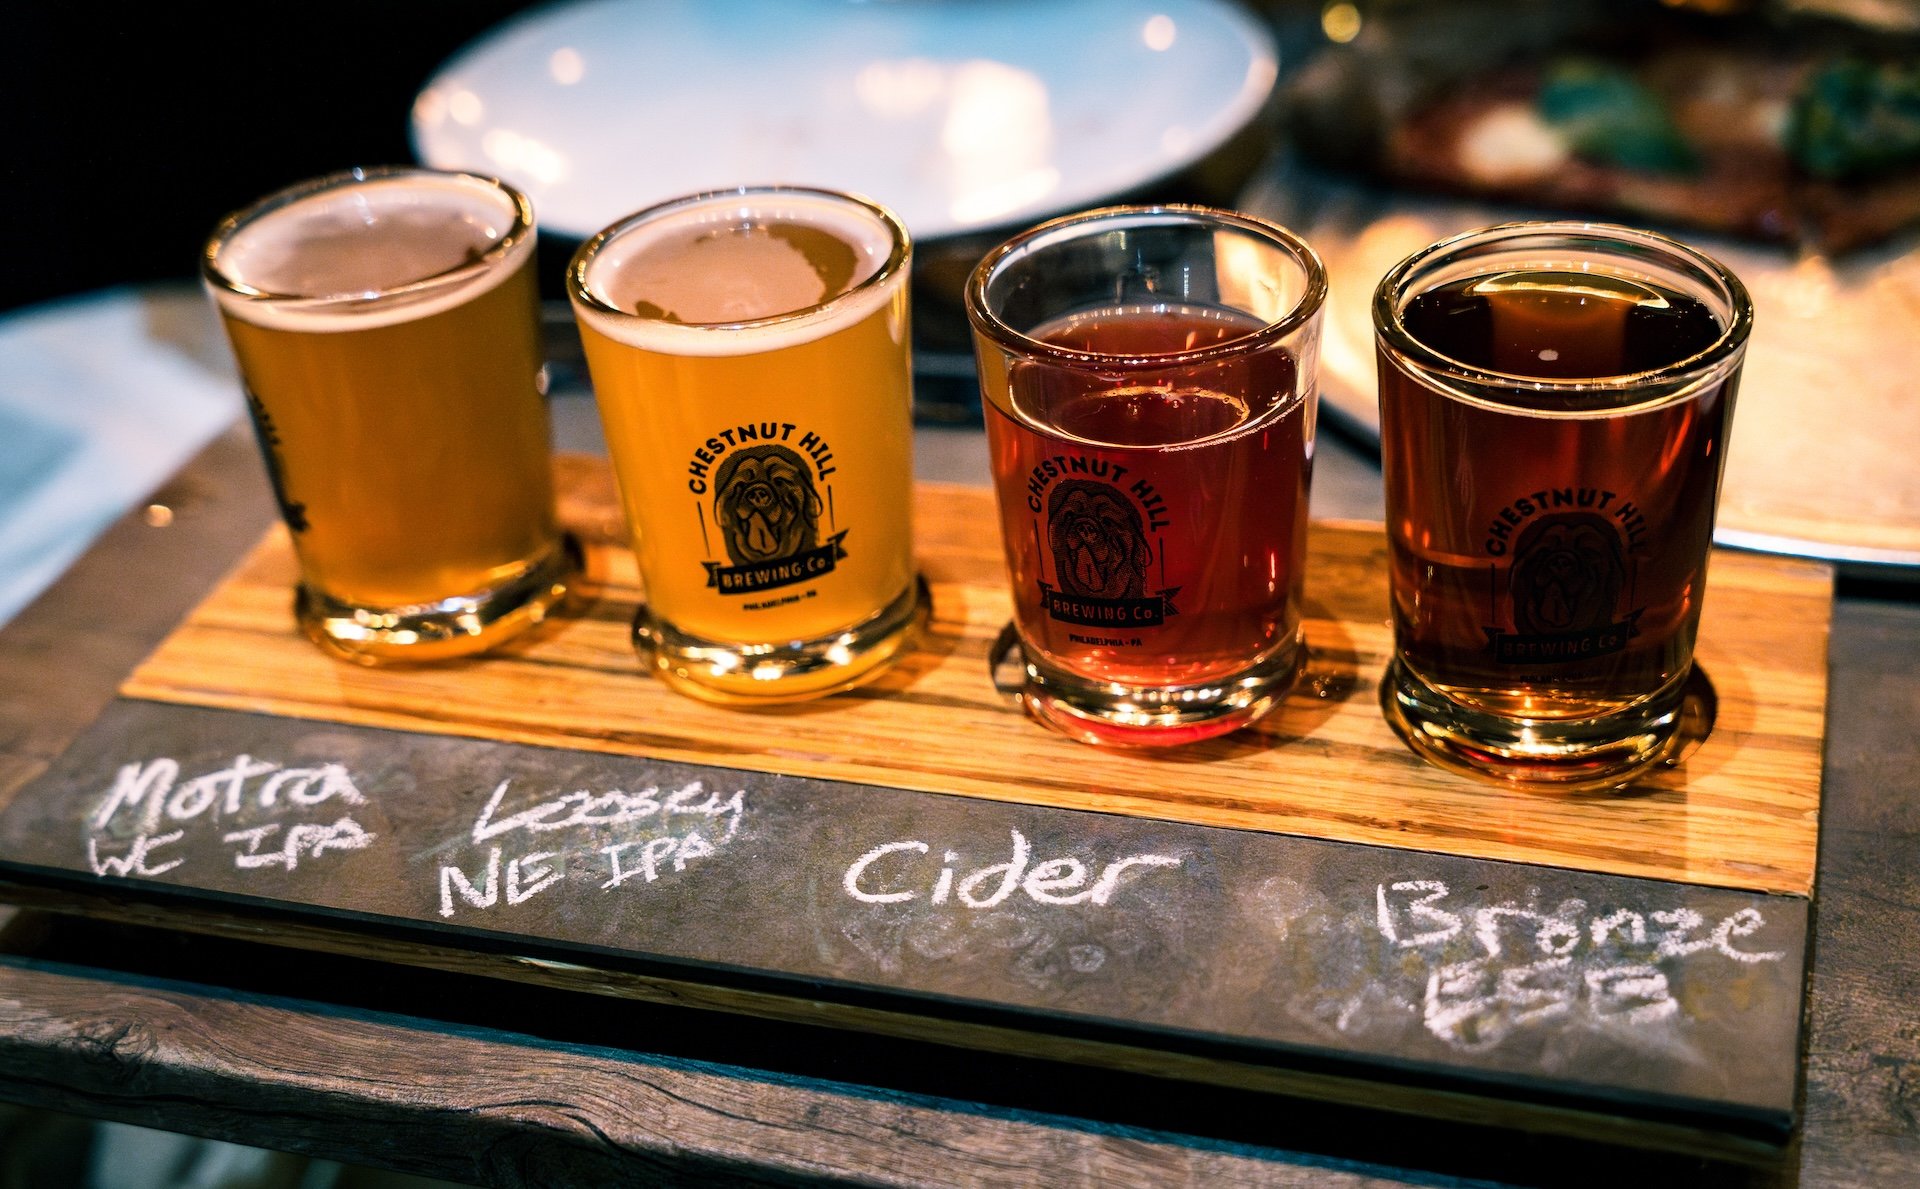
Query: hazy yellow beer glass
column 384, row 322
column 749, row 354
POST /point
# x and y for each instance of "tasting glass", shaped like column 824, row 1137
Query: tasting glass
column 1149, row 380
column 765, row 460
column 385, row 325
column 1549, row 533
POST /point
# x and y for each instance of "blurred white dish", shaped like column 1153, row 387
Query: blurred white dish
column 962, row 115
column 106, row 396
column 1820, row 463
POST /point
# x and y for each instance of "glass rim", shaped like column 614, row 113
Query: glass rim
column 900, row 252
column 1410, row 351
column 521, row 228
column 989, row 323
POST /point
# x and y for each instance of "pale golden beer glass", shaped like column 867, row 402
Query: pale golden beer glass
column 749, row 354
column 385, row 325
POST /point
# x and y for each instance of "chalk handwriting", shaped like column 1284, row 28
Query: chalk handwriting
column 301, row 838
column 653, row 856
column 130, row 822
column 154, row 790
column 1675, row 941
column 527, row 876
column 614, row 808
column 134, row 860
column 623, row 836
column 1441, row 925
column 895, row 872
column 1529, row 965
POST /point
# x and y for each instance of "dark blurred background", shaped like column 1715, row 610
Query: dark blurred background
column 135, row 127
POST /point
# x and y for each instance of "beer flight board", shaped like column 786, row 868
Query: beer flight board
column 1303, row 908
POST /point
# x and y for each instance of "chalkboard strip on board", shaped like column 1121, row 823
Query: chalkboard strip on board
column 1656, row 1012
column 1755, row 1140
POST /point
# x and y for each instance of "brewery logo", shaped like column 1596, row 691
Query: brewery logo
column 767, row 506
column 1097, row 534
column 293, row 512
column 1564, row 584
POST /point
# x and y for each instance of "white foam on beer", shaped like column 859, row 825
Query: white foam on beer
column 741, row 281
column 325, row 259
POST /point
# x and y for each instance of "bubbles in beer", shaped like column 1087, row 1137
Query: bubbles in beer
column 725, row 274
column 366, row 239
column 333, row 253
column 711, row 275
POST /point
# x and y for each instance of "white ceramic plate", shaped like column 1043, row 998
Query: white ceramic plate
column 1821, row 461
column 962, row 115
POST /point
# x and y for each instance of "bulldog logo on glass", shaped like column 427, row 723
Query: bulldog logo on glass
column 1099, row 546
column 1565, row 582
column 1567, row 573
column 1097, row 539
column 766, row 505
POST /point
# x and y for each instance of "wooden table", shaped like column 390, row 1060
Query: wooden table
column 474, row 1079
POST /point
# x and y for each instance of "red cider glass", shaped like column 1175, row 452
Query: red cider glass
column 1148, row 376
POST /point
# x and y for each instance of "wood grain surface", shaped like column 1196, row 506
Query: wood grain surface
column 1741, row 812
column 493, row 1111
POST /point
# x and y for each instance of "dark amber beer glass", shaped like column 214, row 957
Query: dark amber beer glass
column 749, row 357
column 1555, row 402
column 384, row 323
column 1148, row 375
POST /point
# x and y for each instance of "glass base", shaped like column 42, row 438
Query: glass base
column 454, row 627
column 760, row 674
column 1113, row 715
column 1579, row 755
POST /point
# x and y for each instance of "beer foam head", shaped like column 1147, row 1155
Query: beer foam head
column 356, row 252
column 738, row 272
